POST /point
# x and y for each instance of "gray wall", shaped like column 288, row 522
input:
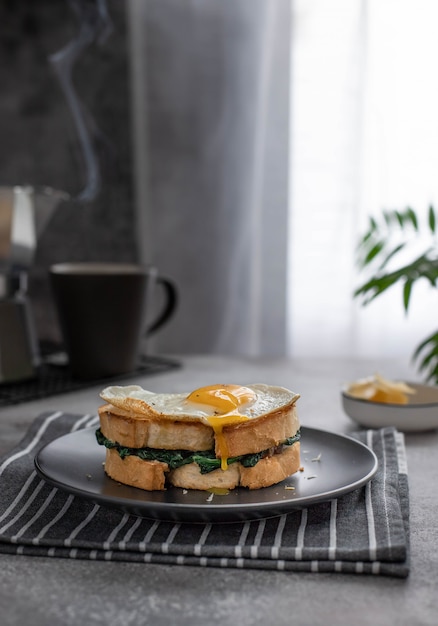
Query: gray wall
column 39, row 143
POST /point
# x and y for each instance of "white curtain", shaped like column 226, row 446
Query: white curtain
column 364, row 137
column 210, row 93
column 265, row 132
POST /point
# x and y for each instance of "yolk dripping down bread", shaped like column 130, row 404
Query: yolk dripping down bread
column 214, row 437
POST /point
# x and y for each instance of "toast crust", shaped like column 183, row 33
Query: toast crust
column 133, row 471
column 134, row 432
column 260, row 434
column 272, row 469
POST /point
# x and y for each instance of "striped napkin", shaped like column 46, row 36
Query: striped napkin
column 363, row 532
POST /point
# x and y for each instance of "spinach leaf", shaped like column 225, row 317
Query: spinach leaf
column 206, row 459
column 291, row 440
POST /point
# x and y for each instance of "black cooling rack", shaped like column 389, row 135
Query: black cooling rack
column 55, row 378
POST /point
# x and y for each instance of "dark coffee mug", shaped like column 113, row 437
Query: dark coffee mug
column 102, row 310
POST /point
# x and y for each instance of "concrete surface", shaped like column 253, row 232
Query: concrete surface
column 40, row 591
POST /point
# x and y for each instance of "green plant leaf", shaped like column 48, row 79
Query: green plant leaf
column 365, row 238
column 407, row 290
column 391, row 254
column 432, row 339
column 422, row 267
column 375, row 250
column 431, row 277
column 388, row 217
column 396, row 231
column 373, row 224
column 399, row 217
column 375, row 287
column 410, row 213
column 432, row 219
column 432, row 367
column 429, row 357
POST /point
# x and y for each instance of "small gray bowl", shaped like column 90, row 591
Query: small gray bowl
column 419, row 414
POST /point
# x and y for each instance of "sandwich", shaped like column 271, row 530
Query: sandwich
column 214, row 438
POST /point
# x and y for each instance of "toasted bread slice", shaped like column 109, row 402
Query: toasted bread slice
column 272, row 469
column 190, row 477
column 133, row 471
column 260, row 434
column 248, row 437
column 150, row 432
column 154, row 475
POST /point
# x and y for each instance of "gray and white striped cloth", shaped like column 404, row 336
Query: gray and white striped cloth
column 363, row 532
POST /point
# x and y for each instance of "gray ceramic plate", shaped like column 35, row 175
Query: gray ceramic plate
column 332, row 465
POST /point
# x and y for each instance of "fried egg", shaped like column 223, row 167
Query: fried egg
column 222, row 401
column 216, row 405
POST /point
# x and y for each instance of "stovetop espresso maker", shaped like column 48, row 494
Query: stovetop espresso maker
column 24, row 214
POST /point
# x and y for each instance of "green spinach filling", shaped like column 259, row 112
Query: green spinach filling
column 206, row 460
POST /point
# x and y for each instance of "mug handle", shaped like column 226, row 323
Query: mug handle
column 171, row 301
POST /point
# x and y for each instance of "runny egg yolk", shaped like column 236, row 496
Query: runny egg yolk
column 226, row 400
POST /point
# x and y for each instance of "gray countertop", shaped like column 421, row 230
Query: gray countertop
column 38, row 591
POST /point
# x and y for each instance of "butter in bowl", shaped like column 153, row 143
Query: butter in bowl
column 376, row 402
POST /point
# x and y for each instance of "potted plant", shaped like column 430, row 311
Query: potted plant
column 382, row 251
